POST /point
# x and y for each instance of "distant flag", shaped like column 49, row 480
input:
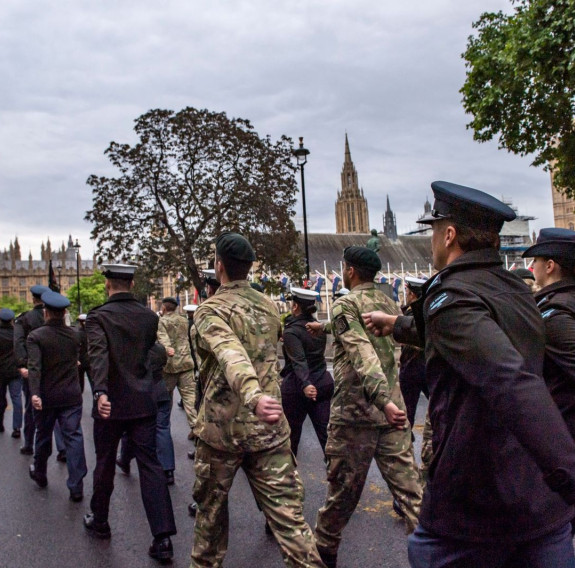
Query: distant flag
column 319, row 285
column 52, row 282
column 335, row 283
column 395, row 288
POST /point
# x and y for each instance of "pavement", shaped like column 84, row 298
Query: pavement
column 41, row 528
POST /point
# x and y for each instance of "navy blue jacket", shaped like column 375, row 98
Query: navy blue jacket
column 503, row 457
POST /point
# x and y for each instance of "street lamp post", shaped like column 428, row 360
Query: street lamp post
column 77, row 249
column 301, row 155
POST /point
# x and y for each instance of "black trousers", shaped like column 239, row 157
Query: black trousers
column 141, row 433
column 29, row 425
column 297, row 406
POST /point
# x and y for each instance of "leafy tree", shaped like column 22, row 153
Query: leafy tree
column 520, row 83
column 191, row 175
column 14, row 304
column 92, row 294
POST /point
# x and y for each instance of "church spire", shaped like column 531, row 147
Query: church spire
column 389, row 223
column 351, row 213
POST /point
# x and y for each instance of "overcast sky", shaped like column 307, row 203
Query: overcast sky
column 76, row 73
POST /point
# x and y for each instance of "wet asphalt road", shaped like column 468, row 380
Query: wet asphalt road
column 42, row 528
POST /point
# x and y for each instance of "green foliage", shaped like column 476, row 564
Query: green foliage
column 191, row 175
column 92, row 294
column 14, row 304
column 520, row 83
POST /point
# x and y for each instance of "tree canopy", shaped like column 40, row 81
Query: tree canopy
column 191, row 175
column 16, row 305
column 92, row 293
column 520, row 83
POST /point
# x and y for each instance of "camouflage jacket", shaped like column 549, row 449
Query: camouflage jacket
column 237, row 334
column 173, row 332
column 364, row 366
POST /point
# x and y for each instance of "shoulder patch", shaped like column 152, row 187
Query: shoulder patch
column 341, row 324
column 439, row 301
column 547, row 313
column 436, row 280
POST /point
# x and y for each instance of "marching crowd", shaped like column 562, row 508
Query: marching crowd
column 497, row 363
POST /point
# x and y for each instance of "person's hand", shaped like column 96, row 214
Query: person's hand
column 268, row 409
column 396, row 418
column 170, row 351
column 23, row 372
column 36, row 402
column 310, row 392
column 104, row 406
column 315, row 328
column 379, row 323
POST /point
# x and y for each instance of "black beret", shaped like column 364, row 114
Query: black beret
column 524, row 273
column 234, row 245
column 467, row 206
column 554, row 243
column 362, row 257
column 170, row 300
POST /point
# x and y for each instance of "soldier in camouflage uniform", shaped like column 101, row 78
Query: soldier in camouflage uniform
column 179, row 370
column 240, row 422
column 367, row 416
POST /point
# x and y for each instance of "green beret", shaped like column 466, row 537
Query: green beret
column 233, row 245
column 362, row 257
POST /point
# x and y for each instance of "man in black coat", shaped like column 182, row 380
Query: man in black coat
column 121, row 334
column 23, row 325
column 502, row 480
column 55, row 393
column 10, row 378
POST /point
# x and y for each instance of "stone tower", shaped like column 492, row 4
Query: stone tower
column 351, row 214
column 389, row 223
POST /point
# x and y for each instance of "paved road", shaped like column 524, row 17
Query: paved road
column 42, row 528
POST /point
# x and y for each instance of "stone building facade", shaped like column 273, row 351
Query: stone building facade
column 351, row 214
column 17, row 275
column 563, row 209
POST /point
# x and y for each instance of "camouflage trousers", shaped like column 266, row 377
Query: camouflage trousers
column 278, row 490
column 349, row 452
column 186, row 384
column 426, row 450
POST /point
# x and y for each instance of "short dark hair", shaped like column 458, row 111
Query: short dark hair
column 470, row 238
column 566, row 266
column 236, row 269
column 307, row 307
column 364, row 274
column 169, row 306
column 120, row 284
column 56, row 313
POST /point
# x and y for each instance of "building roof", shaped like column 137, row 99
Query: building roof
column 329, row 247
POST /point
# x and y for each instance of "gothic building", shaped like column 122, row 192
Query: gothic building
column 389, row 223
column 17, row 275
column 563, row 209
column 351, row 214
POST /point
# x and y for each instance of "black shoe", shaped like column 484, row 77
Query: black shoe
column 26, row 450
column 2, row 429
column 161, row 549
column 124, row 467
column 181, row 403
column 193, row 509
column 16, row 433
column 169, row 476
column 99, row 530
column 61, row 457
column 192, row 454
column 41, row 480
column 328, row 558
column 76, row 497
column 398, row 510
column 268, row 529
